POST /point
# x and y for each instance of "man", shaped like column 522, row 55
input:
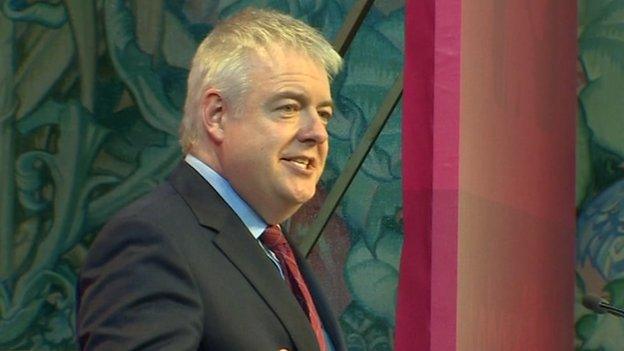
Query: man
column 200, row 263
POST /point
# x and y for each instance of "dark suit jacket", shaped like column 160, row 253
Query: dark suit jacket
column 178, row 270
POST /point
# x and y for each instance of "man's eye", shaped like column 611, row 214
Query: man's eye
column 288, row 108
column 325, row 115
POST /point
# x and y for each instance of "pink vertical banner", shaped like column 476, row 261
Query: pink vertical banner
column 446, row 162
column 487, row 261
column 516, row 277
column 427, row 297
column 413, row 313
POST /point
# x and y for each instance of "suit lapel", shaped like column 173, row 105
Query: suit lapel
column 239, row 246
column 244, row 252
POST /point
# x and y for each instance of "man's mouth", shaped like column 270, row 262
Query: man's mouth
column 300, row 162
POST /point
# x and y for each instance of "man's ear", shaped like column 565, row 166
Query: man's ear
column 212, row 113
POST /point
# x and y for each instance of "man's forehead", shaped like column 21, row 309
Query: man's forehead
column 274, row 55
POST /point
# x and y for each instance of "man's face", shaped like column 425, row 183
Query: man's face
column 275, row 144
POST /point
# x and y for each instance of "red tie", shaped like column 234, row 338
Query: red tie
column 275, row 240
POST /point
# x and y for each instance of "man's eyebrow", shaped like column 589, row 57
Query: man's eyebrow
column 299, row 96
column 327, row 103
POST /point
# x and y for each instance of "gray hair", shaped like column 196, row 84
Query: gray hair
column 221, row 59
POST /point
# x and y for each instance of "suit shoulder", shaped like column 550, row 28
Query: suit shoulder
column 161, row 212
column 154, row 204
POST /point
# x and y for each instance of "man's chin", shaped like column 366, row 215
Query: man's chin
column 300, row 198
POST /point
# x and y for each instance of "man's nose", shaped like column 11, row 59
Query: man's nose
column 314, row 129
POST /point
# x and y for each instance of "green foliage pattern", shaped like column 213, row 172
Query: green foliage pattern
column 600, row 170
column 90, row 99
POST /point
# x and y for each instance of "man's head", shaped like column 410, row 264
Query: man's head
column 257, row 107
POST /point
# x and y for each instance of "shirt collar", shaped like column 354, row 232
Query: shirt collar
column 250, row 218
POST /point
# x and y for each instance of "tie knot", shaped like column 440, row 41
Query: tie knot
column 273, row 237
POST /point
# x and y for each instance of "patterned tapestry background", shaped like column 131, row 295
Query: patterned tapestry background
column 90, row 98
column 600, row 171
